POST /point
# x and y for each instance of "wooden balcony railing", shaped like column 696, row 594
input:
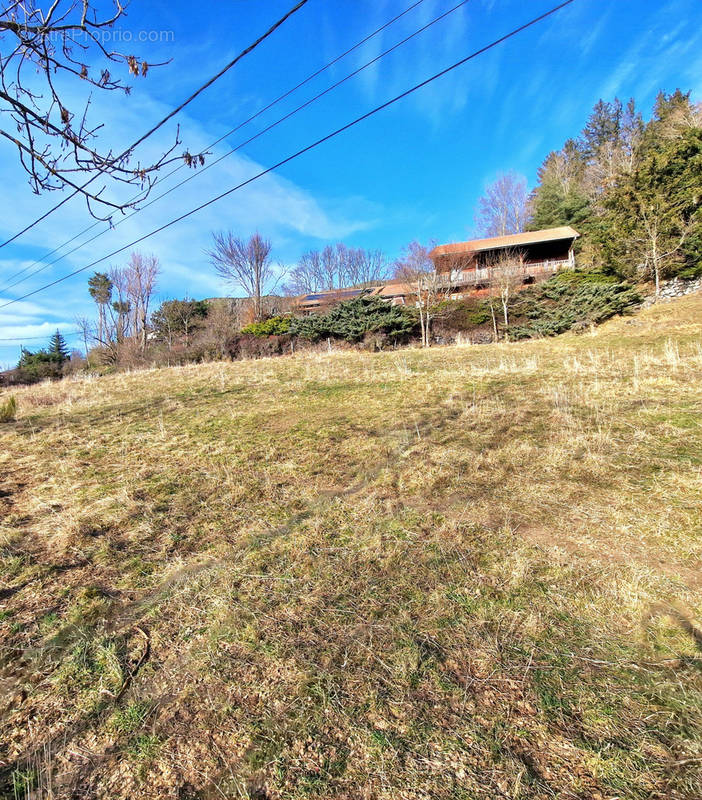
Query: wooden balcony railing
column 486, row 275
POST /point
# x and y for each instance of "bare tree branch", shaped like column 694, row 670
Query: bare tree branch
column 246, row 263
column 336, row 267
column 42, row 49
column 503, row 209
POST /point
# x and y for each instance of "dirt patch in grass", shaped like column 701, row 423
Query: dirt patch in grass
column 594, row 546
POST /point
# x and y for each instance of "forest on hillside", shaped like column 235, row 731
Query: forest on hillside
column 633, row 189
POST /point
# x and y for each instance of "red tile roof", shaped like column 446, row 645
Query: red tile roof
column 501, row 242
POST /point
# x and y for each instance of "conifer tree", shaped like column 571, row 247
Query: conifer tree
column 100, row 288
column 58, row 349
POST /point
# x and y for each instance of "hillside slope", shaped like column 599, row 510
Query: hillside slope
column 470, row 572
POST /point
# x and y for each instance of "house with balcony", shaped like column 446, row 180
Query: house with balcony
column 465, row 269
column 470, row 267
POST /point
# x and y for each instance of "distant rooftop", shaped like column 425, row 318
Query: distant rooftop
column 333, row 293
column 502, row 242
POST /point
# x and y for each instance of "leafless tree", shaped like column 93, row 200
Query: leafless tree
column 245, row 263
column 658, row 245
column 336, row 267
column 219, row 326
column 506, row 275
column 45, row 54
column 142, row 272
column 121, row 307
column 429, row 287
column 133, row 289
column 86, row 328
column 360, row 267
column 503, row 209
column 306, row 276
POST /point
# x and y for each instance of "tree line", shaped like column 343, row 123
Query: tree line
column 630, row 187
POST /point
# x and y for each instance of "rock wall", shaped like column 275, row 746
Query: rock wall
column 677, row 287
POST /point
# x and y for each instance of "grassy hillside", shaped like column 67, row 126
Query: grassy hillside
column 471, row 572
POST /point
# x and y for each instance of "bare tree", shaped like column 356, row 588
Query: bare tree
column 307, row 276
column 657, row 219
column 121, row 307
column 336, row 267
column 506, row 275
column 503, row 209
column 429, row 287
column 141, row 274
column 362, row 267
column 246, row 263
column 46, row 54
column 87, row 332
column 220, row 324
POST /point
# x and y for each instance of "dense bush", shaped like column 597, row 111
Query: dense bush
column 462, row 315
column 8, row 410
column 248, row 345
column 275, row 326
column 577, row 277
column 177, row 318
column 33, row 371
column 691, row 273
column 569, row 300
column 354, row 319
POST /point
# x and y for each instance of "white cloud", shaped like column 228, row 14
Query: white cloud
column 274, row 205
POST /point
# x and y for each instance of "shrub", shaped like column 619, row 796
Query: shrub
column 480, row 316
column 563, row 303
column 8, row 410
column 248, row 345
column 33, row 368
column 691, row 273
column 355, row 318
column 275, row 326
column 578, row 277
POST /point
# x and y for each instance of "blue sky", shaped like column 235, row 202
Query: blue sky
column 414, row 171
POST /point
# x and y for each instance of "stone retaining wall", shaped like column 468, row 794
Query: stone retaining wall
column 677, row 287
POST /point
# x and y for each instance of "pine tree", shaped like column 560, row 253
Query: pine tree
column 58, row 349
column 653, row 218
column 603, row 127
column 100, row 288
column 560, row 197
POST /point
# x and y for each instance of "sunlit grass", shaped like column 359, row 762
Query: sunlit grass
column 464, row 572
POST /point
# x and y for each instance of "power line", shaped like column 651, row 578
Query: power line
column 169, row 116
column 270, row 105
column 302, row 151
column 260, row 133
column 36, row 338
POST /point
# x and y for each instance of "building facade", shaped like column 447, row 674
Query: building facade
column 473, row 266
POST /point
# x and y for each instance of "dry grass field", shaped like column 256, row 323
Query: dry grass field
column 469, row 572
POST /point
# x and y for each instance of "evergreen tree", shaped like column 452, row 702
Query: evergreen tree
column 653, row 220
column 177, row 318
column 632, row 130
column 122, row 309
column 632, row 190
column 559, row 197
column 37, row 366
column 58, row 349
column 603, row 127
column 100, row 288
column 670, row 113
